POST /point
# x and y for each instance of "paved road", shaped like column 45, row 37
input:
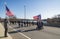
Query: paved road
column 31, row 32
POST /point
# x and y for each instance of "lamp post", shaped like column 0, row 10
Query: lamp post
column 24, row 12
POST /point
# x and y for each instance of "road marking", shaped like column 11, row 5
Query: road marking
column 21, row 33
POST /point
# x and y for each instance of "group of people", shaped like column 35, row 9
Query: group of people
column 39, row 26
column 21, row 24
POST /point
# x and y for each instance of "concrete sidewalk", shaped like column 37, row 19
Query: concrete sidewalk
column 2, row 33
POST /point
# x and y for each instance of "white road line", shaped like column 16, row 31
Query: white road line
column 21, row 33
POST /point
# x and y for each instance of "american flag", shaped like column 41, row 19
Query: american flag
column 37, row 17
column 8, row 12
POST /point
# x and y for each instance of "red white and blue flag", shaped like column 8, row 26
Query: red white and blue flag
column 37, row 17
column 8, row 12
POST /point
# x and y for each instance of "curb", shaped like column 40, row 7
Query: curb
column 2, row 33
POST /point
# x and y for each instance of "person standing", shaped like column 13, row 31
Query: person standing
column 27, row 23
column 19, row 24
column 5, row 27
column 39, row 24
column 32, row 23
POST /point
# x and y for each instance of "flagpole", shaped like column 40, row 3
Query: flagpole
column 6, row 17
column 5, row 9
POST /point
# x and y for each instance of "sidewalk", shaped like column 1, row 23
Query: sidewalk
column 2, row 33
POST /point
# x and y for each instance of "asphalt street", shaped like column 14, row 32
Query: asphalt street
column 30, row 32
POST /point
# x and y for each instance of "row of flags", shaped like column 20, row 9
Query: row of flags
column 9, row 13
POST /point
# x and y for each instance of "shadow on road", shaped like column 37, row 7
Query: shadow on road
column 30, row 30
column 2, row 37
column 11, row 32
